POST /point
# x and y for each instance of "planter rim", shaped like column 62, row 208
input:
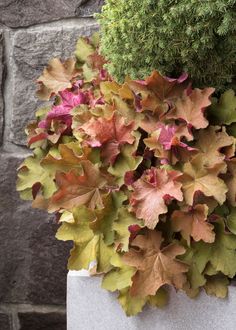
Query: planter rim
column 85, row 273
column 91, row 307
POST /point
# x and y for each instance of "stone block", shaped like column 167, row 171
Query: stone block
column 88, row 8
column 32, row 49
column 5, row 323
column 31, row 12
column 32, row 261
column 42, row 321
column 91, row 307
column 1, row 85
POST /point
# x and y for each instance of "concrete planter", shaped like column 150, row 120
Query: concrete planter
column 89, row 307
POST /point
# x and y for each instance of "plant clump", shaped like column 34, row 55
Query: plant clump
column 141, row 176
column 197, row 37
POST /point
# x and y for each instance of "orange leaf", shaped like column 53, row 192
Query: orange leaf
column 156, row 266
column 157, row 91
column 190, row 107
column 56, row 77
column 165, row 88
column 193, row 223
column 150, row 192
column 75, row 190
column 198, row 178
column 211, row 141
column 109, row 134
column 67, row 160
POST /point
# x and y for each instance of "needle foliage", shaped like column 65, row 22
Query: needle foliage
column 172, row 36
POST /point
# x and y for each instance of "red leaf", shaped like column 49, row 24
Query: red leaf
column 109, row 134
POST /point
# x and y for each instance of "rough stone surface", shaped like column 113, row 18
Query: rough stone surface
column 15, row 13
column 32, row 50
column 5, row 322
column 42, row 321
column 1, row 86
column 88, row 8
column 32, row 261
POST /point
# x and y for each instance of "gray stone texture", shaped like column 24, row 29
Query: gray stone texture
column 15, row 13
column 42, row 321
column 32, row 49
column 1, row 85
column 89, row 7
column 5, row 323
column 32, row 261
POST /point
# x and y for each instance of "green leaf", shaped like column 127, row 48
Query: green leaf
column 126, row 161
column 64, row 159
column 103, row 224
column 221, row 255
column 223, row 251
column 125, row 110
column 89, row 73
column 120, row 277
column 31, row 172
column 93, row 255
column 84, row 256
column 95, row 39
column 231, row 129
column 217, row 286
column 83, row 50
column 95, row 156
column 67, row 216
column 26, row 194
column 131, row 305
column 231, row 221
column 197, row 256
column 89, row 249
column 224, row 112
column 109, row 88
column 78, row 229
column 160, row 300
column 221, row 210
column 210, row 270
column 121, row 227
column 41, row 112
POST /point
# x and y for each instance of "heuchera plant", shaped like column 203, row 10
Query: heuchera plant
column 141, row 176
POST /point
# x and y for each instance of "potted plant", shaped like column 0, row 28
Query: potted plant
column 141, row 172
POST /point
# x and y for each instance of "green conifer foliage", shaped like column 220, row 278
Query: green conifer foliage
column 172, row 36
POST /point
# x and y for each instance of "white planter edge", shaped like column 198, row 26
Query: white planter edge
column 89, row 307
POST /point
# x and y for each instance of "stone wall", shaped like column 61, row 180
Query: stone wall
column 32, row 262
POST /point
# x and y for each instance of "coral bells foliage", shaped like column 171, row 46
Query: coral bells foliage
column 141, row 176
